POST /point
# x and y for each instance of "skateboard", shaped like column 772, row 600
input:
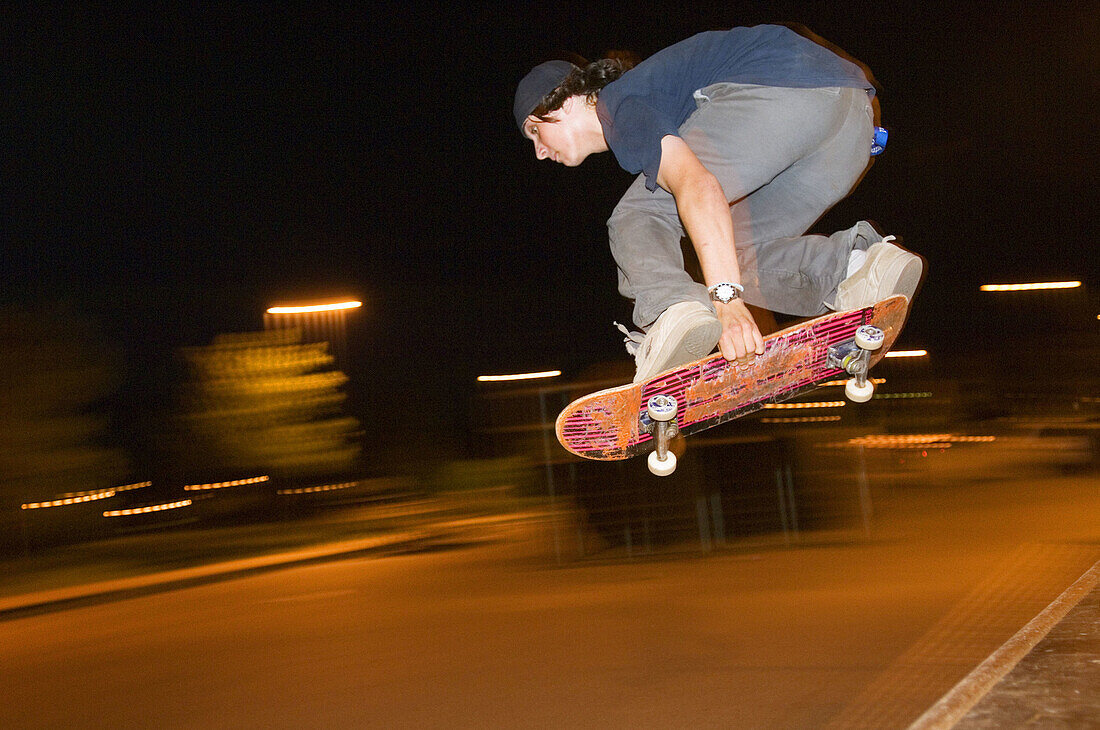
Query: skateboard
column 630, row 420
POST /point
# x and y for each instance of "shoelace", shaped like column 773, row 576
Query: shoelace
column 633, row 340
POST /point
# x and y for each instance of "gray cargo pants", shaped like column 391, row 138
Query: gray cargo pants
column 783, row 157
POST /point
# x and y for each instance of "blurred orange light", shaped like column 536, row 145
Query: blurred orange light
column 314, row 490
column 77, row 498
column 876, row 381
column 1032, row 287
column 223, row 485
column 146, row 510
column 136, row 485
column 315, row 308
column 519, row 376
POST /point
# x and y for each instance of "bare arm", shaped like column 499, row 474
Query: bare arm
column 704, row 210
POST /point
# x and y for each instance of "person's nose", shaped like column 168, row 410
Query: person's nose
column 541, row 152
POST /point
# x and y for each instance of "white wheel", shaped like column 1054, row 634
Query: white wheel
column 869, row 337
column 662, row 407
column 661, row 468
column 857, row 394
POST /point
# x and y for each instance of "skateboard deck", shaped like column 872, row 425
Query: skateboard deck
column 615, row 424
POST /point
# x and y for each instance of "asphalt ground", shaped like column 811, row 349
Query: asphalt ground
column 981, row 593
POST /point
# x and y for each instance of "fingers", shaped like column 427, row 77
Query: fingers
column 741, row 339
column 736, row 351
column 742, row 344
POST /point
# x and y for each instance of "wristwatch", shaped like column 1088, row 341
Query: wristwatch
column 725, row 292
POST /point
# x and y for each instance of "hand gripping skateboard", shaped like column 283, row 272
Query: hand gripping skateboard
column 630, row 420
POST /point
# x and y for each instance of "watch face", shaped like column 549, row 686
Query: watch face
column 724, row 293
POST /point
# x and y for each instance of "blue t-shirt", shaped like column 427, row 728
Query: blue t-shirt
column 655, row 97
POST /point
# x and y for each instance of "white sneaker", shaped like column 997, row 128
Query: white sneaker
column 686, row 331
column 888, row 270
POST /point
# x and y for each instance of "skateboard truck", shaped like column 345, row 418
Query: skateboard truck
column 662, row 416
column 854, row 357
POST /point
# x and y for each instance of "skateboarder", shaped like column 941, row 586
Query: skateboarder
column 743, row 139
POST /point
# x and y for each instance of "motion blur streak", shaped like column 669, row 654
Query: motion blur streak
column 1031, row 287
column 305, row 309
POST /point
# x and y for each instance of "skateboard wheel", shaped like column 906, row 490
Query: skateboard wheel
column 869, row 337
column 661, row 407
column 856, row 394
column 661, row 467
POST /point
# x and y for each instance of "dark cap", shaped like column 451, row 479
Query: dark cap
column 542, row 79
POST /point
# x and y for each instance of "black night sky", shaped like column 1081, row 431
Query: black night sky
column 175, row 171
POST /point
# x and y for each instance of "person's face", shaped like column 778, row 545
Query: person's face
column 559, row 139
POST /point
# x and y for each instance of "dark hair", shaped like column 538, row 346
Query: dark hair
column 584, row 81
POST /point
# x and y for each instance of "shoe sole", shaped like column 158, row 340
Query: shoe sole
column 697, row 342
column 906, row 270
column 907, row 279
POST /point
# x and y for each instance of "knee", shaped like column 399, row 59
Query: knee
column 633, row 219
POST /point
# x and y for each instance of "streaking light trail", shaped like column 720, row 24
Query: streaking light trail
column 315, row 308
column 519, row 376
column 1032, row 287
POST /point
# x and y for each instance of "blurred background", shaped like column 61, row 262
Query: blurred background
column 176, row 174
column 256, row 260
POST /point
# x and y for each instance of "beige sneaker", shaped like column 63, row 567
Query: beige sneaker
column 888, row 270
column 686, row 331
